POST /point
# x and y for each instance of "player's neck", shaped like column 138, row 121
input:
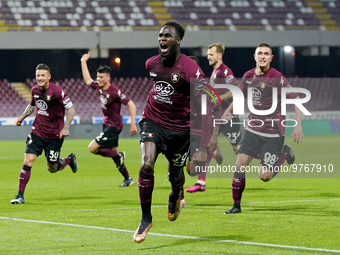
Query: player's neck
column 217, row 65
column 169, row 62
column 45, row 87
column 106, row 86
column 261, row 70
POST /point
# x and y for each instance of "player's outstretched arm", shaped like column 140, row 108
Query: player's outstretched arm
column 132, row 111
column 297, row 133
column 226, row 96
column 85, row 70
column 69, row 117
column 28, row 111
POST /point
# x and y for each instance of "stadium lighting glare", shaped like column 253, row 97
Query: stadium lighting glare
column 288, row 49
column 117, row 60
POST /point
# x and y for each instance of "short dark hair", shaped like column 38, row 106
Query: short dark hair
column 179, row 29
column 195, row 59
column 264, row 45
column 219, row 47
column 43, row 66
column 104, row 69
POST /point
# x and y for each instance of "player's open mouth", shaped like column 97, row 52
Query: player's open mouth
column 164, row 48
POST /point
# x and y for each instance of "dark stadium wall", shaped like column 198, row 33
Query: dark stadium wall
column 18, row 65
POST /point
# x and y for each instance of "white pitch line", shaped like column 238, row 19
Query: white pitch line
column 178, row 236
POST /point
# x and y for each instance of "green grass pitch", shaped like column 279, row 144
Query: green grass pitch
column 89, row 213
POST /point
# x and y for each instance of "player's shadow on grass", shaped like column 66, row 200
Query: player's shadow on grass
column 307, row 209
column 74, row 198
column 204, row 239
column 207, row 204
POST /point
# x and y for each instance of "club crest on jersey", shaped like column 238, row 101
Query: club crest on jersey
column 262, row 85
column 175, row 77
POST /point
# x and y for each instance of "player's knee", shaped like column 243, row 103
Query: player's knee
column 240, row 167
column 266, row 176
column 92, row 150
column 173, row 178
column 265, row 179
column 148, row 167
column 53, row 167
column 29, row 159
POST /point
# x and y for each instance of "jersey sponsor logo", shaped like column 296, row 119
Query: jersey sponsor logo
column 175, row 77
column 36, row 96
column 229, row 79
column 67, row 103
column 66, row 100
column 164, row 90
column 256, row 96
column 200, row 84
column 123, row 96
column 103, row 101
column 41, row 105
column 48, row 98
column 41, row 112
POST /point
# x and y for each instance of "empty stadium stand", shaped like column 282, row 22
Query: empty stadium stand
column 11, row 102
column 324, row 95
column 147, row 14
column 86, row 100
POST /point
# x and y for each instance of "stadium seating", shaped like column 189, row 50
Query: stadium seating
column 40, row 15
column 86, row 100
column 142, row 14
column 11, row 103
column 324, row 92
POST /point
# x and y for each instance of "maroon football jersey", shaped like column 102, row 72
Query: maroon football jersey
column 50, row 110
column 168, row 102
column 262, row 99
column 223, row 75
column 111, row 100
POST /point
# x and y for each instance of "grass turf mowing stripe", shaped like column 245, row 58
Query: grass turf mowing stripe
column 178, row 236
column 161, row 206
